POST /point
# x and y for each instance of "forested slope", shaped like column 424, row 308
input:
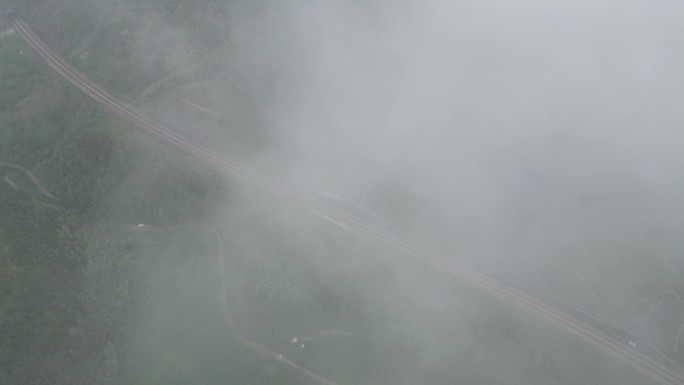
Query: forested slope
column 66, row 263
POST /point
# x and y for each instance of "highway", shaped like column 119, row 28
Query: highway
column 626, row 337
column 524, row 300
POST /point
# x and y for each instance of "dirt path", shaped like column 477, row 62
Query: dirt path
column 10, row 182
column 199, row 108
column 8, row 32
column 32, row 178
column 223, row 268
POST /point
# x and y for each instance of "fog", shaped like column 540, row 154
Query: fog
column 519, row 128
column 534, row 140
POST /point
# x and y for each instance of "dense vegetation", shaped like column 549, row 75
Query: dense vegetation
column 86, row 298
column 65, row 273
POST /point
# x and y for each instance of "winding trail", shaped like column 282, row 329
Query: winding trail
column 223, row 268
column 32, row 178
column 644, row 364
column 199, row 108
column 10, row 182
column 325, row 333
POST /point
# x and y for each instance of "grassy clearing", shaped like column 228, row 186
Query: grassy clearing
column 180, row 334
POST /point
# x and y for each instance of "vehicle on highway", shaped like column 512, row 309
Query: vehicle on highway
column 618, row 336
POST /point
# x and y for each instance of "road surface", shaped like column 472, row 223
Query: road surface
column 629, row 339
